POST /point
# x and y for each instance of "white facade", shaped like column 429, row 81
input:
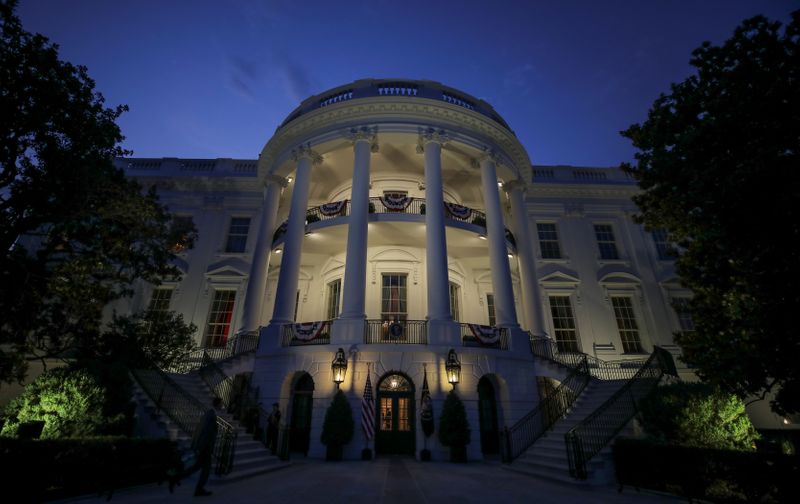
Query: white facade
column 270, row 255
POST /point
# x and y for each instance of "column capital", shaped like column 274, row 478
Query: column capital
column 365, row 134
column 305, row 151
column 428, row 135
column 271, row 178
column 486, row 156
column 515, row 185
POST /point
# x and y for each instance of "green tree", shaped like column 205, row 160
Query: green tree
column 75, row 233
column 72, row 403
column 453, row 424
column 696, row 414
column 717, row 163
column 338, row 426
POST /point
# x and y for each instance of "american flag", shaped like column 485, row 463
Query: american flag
column 368, row 410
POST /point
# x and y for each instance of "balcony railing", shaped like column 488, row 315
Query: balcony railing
column 411, row 332
column 476, row 335
column 306, row 333
column 393, row 205
column 547, row 348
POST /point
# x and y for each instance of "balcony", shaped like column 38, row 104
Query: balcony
column 409, row 332
column 387, row 206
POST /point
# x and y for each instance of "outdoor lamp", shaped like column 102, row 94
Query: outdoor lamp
column 453, row 368
column 339, row 367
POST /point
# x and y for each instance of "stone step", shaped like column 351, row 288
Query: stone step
column 239, row 475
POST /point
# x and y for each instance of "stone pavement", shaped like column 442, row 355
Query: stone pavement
column 384, row 481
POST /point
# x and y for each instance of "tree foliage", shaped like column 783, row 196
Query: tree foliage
column 338, row 426
column 718, row 162
column 453, row 424
column 75, row 233
column 696, row 414
column 72, row 403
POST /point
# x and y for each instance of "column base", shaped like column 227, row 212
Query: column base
column 346, row 332
column 444, row 333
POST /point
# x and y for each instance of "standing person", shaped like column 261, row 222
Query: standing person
column 273, row 423
column 203, row 443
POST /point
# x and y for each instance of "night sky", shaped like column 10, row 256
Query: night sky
column 209, row 79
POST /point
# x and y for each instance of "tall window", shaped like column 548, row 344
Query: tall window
column 159, row 301
column 454, row 303
column 237, row 235
column 334, row 297
column 681, row 307
column 564, row 328
column 605, row 241
column 548, row 240
column 219, row 318
column 626, row 323
column 490, row 308
column 394, row 304
column 662, row 246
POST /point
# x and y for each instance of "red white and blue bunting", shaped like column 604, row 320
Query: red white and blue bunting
column 333, row 208
column 309, row 331
column 458, row 211
column 486, row 335
column 395, row 202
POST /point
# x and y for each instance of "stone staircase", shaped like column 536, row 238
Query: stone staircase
column 547, row 457
column 251, row 457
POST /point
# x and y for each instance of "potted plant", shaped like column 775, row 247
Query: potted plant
column 454, row 427
column 337, row 429
column 479, row 220
column 422, row 209
column 371, row 207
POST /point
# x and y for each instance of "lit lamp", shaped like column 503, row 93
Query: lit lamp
column 453, row 368
column 339, row 367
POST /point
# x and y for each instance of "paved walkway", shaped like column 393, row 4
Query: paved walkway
column 385, row 481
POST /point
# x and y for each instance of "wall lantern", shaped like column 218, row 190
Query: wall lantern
column 339, row 367
column 453, row 368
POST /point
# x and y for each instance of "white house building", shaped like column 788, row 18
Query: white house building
column 398, row 220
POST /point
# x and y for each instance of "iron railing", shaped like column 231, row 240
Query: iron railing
column 416, row 206
column 520, row 436
column 412, row 332
column 187, row 412
column 546, row 348
column 292, row 336
column 468, row 338
column 239, row 344
column 220, row 384
column 594, row 432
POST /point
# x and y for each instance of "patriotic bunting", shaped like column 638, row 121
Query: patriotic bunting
column 309, row 331
column 486, row 335
column 332, row 209
column 458, row 211
column 395, row 202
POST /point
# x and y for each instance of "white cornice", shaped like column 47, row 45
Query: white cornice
column 395, row 114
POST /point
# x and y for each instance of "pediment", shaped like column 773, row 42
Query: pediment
column 230, row 267
column 619, row 278
column 396, row 255
column 559, row 278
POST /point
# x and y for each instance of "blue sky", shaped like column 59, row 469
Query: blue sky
column 215, row 78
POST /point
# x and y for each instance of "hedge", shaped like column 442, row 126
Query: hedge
column 703, row 473
column 39, row 470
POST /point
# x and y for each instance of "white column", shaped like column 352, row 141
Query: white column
column 355, row 273
column 531, row 296
column 257, row 281
column 293, row 239
column 435, row 238
column 505, row 311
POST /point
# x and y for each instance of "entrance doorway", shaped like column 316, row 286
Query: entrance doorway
column 300, row 426
column 395, row 419
column 487, row 416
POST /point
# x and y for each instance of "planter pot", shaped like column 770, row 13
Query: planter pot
column 458, row 454
column 425, row 455
column 334, row 453
column 366, row 454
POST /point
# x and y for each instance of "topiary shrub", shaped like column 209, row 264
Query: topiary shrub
column 72, row 403
column 696, row 414
column 337, row 429
column 454, row 427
